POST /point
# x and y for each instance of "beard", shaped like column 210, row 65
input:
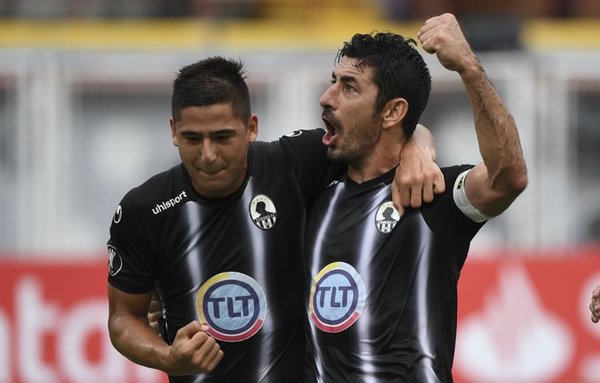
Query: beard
column 354, row 146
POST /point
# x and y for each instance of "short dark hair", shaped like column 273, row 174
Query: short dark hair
column 399, row 71
column 213, row 80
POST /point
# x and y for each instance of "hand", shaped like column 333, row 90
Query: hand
column 442, row 35
column 417, row 177
column 595, row 305
column 193, row 351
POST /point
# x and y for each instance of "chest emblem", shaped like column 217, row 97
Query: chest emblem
column 263, row 212
column 337, row 297
column 233, row 305
column 386, row 217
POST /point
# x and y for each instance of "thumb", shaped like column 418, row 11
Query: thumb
column 190, row 329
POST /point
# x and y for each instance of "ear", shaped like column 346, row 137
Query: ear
column 394, row 112
column 252, row 128
column 173, row 131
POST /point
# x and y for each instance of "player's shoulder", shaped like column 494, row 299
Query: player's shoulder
column 451, row 173
column 303, row 137
column 300, row 146
column 163, row 186
column 443, row 215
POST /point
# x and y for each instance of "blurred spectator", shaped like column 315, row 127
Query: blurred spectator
column 222, row 9
column 398, row 10
column 584, row 8
column 410, row 9
column 129, row 8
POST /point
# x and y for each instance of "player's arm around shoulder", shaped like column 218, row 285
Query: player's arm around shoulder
column 193, row 351
column 493, row 185
column 418, row 177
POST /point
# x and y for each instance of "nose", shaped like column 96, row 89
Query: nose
column 209, row 151
column 326, row 99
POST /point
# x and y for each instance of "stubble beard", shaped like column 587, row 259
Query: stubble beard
column 358, row 152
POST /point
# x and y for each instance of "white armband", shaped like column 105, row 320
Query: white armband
column 462, row 201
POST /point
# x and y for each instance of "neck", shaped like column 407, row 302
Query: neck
column 383, row 158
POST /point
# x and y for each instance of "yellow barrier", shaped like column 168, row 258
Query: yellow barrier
column 183, row 34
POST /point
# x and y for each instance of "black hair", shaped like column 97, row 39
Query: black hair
column 213, row 80
column 398, row 70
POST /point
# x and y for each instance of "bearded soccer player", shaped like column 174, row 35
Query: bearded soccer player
column 382, row 305
column 220, row 238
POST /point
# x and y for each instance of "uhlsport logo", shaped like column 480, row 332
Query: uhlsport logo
column 233, row 305
column 263, row 212
column 386, row 217
column 171, row 202
column 337, row 297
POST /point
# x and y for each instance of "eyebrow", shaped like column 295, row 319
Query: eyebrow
column 345, row 78
column 210, row 134
column 349, row 79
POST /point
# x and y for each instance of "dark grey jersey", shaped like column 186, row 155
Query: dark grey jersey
column 382, row 303
column 234, row 263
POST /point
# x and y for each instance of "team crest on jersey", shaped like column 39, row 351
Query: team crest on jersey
column 118, row 214
column 386, row 217
column 233, row 305
column 263, row 212
column 115, row 263
column 337, row 297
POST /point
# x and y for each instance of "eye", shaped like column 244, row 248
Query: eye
column 192, row 138
column 349, row 88
column 224, row 135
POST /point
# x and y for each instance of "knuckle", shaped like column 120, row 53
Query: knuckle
column 210, row 341
column 405, row 180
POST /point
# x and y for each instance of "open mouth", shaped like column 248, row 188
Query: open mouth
column 330, row 129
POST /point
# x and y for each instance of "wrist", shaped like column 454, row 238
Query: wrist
column 422, row 141
column 164, row 361
column 471, row 70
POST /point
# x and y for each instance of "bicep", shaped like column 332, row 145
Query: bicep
column 129, row 329
column 120, row 303
column 482, row 195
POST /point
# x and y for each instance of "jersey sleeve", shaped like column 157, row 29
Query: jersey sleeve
column 303, row 153
column 132, row 266
column 443, row 215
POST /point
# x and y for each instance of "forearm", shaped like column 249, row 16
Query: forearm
column 492, row 185
column 423, row 139
column 496, row 131
column 133, row 337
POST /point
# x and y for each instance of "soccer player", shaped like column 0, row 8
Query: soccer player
column 382, row 304
column 220, row 239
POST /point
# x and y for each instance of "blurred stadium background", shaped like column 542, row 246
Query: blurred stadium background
column 84, row 107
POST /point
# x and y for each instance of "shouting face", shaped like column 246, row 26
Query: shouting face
column 349, row 113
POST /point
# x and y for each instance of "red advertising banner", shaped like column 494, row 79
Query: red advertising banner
column 523, row 318
column 53, row 325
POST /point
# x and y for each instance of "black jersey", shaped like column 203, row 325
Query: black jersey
column 382, row 304
column 235, row 263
